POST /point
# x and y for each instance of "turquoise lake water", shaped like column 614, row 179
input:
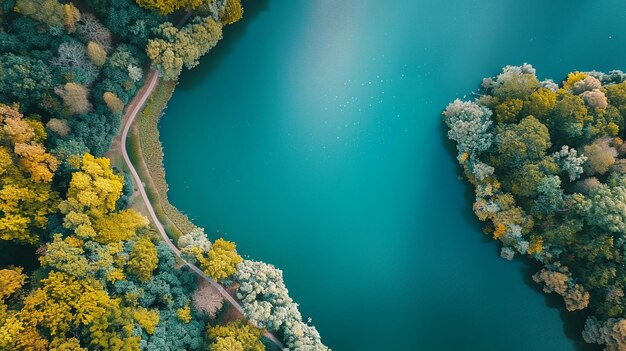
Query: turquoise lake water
column 312, row 137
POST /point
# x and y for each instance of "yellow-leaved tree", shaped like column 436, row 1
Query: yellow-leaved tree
column 51, row 12
column 237, row 335
column 26, row 170
column 62, row 306
column 94, row 187
column 11, row 280
column 64, row 301
column 89, row 208
column 147, row 319
column 172, row 49
column 143, row 259
column 119, row 226
column 221, row 260
column 72, row 298
column 233, row 12
column 165, row 7
column 66, row 256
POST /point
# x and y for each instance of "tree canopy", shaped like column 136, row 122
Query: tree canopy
column 105, row 280
column 547, row 165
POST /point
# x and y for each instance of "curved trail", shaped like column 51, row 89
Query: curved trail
column 136, row 105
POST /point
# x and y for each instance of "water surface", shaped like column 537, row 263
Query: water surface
column 312, row 137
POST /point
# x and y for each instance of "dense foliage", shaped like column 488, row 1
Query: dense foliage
column 266, row 301
column 218, row 260
column 26, row 171
column 547, row 163
column 105, row 281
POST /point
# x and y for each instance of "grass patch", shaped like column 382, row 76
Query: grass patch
column 146, row 153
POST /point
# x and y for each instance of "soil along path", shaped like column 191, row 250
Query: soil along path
column 129, row 118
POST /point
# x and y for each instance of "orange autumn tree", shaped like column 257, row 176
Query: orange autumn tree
column 26, row 171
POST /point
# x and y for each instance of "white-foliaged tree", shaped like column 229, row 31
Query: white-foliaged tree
column 608, row 208
column 469, row 125
column 570, row 162
column 192, row 242
column 266, row 302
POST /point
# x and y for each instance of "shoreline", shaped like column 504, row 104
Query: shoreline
column 146, row 152
column 154, row 94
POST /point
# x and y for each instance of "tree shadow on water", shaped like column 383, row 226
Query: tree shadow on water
column 573, row 322
column 468, row 190
column 232, row 34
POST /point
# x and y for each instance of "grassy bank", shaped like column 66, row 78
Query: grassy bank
column 146, row 153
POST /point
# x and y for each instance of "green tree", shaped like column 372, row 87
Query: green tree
column 550, row 195
column 569, row 117
column 525, row 181
column 540, row 103
column 233, row 12
column 524, row 142
column 608, row 208
column 508, row 110
column 25, row 80
column 172, row 48
column 616, row 94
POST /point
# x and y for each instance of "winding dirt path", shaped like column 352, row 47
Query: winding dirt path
column 129, row 118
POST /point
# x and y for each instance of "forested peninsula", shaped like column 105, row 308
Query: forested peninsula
column 104, row 278
column 548, row 166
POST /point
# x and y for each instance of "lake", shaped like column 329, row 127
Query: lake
column 312, row 137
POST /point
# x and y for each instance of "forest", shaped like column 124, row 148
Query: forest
column 547, row 162
column 104, row 279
